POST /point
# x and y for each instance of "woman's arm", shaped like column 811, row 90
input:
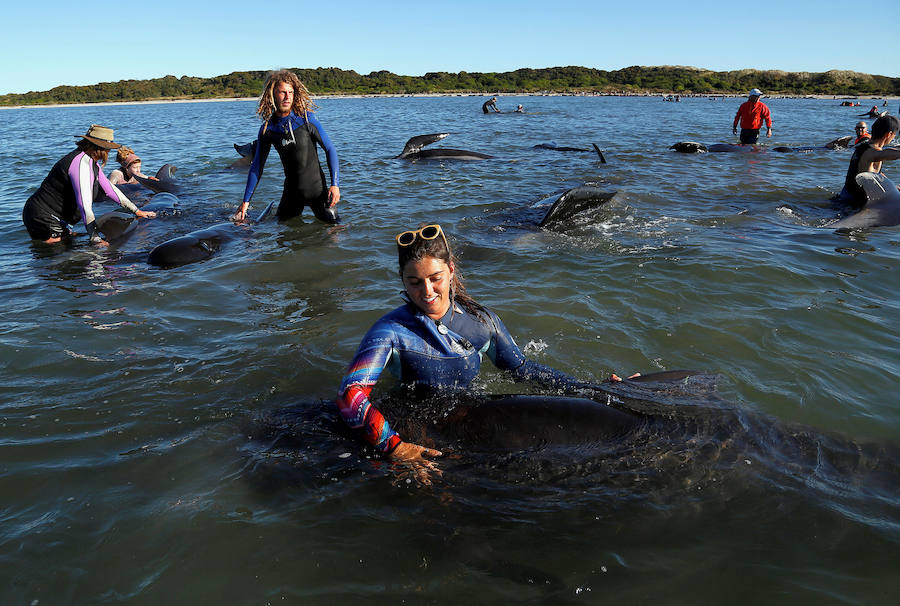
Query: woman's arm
column 353, row 397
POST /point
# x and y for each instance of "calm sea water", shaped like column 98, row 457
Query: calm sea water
column 146, row 455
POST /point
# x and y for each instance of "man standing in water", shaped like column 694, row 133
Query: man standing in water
column 751, row 114
column 490, row 104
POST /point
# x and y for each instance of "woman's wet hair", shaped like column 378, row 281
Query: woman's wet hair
column 303, row 103
column 99, row 154
column 439, row 248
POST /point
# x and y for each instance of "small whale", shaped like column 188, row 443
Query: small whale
column 689, row 147
column 573, row 202
column 553, row 147
column 693, row 147
column 882, row 208
column 198, row 245
column 413, row 150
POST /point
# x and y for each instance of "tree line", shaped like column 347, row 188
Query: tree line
column 566, row 80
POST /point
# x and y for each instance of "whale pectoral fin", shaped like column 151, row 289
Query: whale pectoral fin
column 875, row 185
column 599, row 153
column 265, row 212
column 419, row 141
column 113, row 225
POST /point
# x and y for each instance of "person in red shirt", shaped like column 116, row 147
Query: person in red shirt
column 751, row 114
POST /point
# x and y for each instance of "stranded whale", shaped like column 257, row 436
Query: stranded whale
column 693, row 147
column 413, row 150
column 882, row 208
column 573, row 202
column 198, row 245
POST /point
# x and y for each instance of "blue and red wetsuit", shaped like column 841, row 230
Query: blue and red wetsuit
column 67, row 195
column 294, row 138
column 440, row 354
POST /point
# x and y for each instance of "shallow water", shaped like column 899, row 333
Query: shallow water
column 167, row 435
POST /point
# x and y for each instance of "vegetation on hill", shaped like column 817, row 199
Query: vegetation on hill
column 331, row 80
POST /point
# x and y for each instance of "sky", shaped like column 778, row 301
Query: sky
column 52, row 42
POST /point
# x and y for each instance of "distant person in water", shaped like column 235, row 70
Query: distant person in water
column 294, row 131
column 872, row 113
column 868, row 156
column 520, row 109
column 751, row 114
column 129, row 167
column 68, row 192
column 490, row 104
column 862, row 133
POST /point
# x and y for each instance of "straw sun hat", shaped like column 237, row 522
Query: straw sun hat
column 100, row 136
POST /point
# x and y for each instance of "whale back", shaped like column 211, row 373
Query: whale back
column 573, row 202
column 882, row 208
column 165, row 180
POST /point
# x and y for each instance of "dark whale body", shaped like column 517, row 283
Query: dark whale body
column 693, row 147
column 198, row 245
column 413, row 150
column 552, row 147
column 573, row 202
column 882, row 208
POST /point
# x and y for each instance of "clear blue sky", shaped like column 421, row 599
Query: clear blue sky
column 46, row 43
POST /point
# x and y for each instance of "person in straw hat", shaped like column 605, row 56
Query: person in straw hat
column 68, row 192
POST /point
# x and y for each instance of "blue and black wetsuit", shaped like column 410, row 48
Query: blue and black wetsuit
column 295, row 140
column 421, row 351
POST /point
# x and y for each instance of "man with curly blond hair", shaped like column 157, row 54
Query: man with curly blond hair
column 291, row 127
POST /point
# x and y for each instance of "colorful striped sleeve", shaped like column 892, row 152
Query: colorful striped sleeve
column 353, row 398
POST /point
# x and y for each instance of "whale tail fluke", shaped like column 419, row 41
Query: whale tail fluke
column 418, row 142
column 599, row 153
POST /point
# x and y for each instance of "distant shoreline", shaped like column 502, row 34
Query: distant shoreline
column 428, row 95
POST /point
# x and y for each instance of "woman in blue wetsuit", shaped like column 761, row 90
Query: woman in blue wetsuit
column 293, row 130
column 436, row 339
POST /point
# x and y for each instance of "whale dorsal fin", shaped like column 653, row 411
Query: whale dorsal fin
column 419, row 141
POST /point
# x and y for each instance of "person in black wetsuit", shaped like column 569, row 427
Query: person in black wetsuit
column 868, row 156
column 490, row 104
column 70, row 189
column 291, row 127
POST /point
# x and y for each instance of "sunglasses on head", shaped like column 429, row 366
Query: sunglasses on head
column 429, row 232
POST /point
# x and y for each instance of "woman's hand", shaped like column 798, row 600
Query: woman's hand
column 145, row 214
column 334, row 195
column 413, row 456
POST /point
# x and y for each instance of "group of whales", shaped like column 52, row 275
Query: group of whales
column 882, row 209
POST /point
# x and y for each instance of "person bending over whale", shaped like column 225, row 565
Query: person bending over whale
column 751, row 114
column 868, row 156
column 68, row 192
column 435, row 340
column 290, row 126
column 490, row 104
